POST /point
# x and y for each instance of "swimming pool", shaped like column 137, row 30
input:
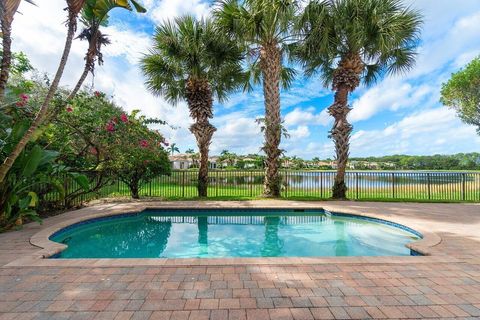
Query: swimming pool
column 214, row 233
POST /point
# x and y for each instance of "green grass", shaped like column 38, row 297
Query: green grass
column 246, row 192
column 181, row 185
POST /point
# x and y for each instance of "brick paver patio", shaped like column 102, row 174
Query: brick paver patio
column 443, row 285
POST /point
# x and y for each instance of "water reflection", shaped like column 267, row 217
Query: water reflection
column 202, row 225
column 341, row 244
column 272, row 244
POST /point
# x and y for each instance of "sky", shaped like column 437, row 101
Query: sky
column 397, row 115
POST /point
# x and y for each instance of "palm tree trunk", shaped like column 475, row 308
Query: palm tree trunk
column 89, row 63
column 79, row 83
column 42, row 112
column 203, row 132
column 270, row 63
column 200, row 102
column 340, row 134
column 345, row 79
column 8, row 9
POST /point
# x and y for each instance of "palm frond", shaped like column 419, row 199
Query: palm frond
column 383, row 33
column 187, row 48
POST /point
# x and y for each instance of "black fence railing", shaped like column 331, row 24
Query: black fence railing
column 433, row 186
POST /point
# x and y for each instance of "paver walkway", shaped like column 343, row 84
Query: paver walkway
column 339, row 289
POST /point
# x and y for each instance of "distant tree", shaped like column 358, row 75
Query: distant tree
column 462, row 93
column 173, row 148
column 193, row 156
column 229, row 157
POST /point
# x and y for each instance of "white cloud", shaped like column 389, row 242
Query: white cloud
column 459, row 38
column 299, row 133
column 168, row 9
column 390, row 94
column 125, row 43
column 427, row 132
column 241, row 135
column 299, row 116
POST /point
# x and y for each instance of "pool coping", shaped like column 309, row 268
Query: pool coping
column 48, row 248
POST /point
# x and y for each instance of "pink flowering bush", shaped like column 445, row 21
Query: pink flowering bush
column 102, row 137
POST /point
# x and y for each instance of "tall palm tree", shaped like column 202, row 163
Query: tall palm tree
column 265, row 28
column 8, row 8
column 353, row 41
column 95, row 15
column 191, row 60
column 73, row 8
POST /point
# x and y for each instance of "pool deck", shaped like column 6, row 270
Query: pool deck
column 443, row 284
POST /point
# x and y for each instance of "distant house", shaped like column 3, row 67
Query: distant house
column 213, row 162
column 180, row 161
column 184, row 161
column 249, row 163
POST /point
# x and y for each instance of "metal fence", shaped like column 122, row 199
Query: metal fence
column 380, row 185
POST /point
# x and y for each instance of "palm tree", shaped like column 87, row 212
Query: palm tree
column 8, row 8
column 191, row 60
column 353, row 41
column 95, row 15
column 192, row 154
column 73, row 7
column 173, row 148
column 265, row 28
column 229, row 157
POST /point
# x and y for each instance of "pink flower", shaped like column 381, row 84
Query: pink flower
column 69, row 108
column 23, row 100
column 97, row 94
column 93, row 150
column 143, row 143
column 110, row 127
column 124, row 118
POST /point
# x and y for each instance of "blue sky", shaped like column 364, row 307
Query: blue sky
column 397, row 115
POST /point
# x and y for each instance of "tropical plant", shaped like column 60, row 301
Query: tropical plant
column 93, row 16
column 265, row 29
column 18, row 199
column 32, row 175
column 191, row 60
column 73, row 7
column 462, row 93
column 353, row 41
column 173, row 148
column 8, row 8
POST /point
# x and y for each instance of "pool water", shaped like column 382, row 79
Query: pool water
column 182, row 233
